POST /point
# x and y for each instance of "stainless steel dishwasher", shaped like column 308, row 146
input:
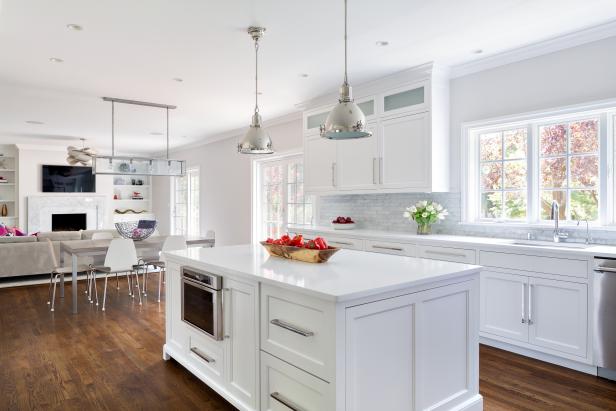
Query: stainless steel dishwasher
column 604, row 316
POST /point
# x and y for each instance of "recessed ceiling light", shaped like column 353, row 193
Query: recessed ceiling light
column 55, row 60
column 179, row 80
column 74, row 27
column 382, row 43
column 156, row 133
column 34, row 122
column 477, row 51
column 303, row 75
column 260, row 93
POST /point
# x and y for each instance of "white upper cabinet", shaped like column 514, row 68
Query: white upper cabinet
column 405, row 152
column 358, row 162
column 319, row 164
column 408, row 114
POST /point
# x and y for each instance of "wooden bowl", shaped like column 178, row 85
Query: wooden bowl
column 300, row 254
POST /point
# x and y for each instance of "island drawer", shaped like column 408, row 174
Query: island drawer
column 206, row 354
column 345, row 242
column 549, row 265
column 387, row 247
column 454, row 255
column 299, row 329
column 285, row 387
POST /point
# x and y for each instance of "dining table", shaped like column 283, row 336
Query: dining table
column 80, row 248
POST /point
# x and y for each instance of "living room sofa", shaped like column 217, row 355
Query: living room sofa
column 30, row 255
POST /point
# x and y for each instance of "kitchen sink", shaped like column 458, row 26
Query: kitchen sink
column 537, row 243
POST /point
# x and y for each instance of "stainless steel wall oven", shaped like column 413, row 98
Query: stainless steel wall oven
column 202, row 301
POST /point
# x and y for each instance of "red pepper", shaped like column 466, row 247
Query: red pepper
column 269, row 241
column 320, row 243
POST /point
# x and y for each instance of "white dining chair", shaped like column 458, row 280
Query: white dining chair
column 103, row 235
column 121, row 257
column 58, row 272
column 172, row 243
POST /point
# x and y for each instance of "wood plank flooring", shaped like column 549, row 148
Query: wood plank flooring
column 112, row 361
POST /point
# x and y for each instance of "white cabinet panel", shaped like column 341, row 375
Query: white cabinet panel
column 558, row 312
column 346, row 243
column 319, row 164
column 380, row 337
column 455, row 255
column 206, row 354
column 298, row 329
column 357, row 162
column 503, row 305
column 241, row 338
column 285, row 387
column 405, row 152
column 535, row 263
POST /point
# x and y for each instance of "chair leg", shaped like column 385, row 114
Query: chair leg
column 53, row 298
column 49, row 291
column 138, row 290
column 105, row 291
column 160, row 281
column 87, row 281
column 117, row 281
column 129, row 282
column 95, row 287
column 145, row 280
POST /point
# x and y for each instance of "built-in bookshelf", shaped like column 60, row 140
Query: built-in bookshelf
column 132, row 198
column 8, row 185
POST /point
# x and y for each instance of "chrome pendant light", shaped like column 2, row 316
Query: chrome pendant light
column 346, row 120
column 256, row 140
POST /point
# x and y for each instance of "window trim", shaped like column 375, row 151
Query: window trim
column 172, row 182
column 605, row 110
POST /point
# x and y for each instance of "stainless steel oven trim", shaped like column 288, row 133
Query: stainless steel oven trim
column 217, row 304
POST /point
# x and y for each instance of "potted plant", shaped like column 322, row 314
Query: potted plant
column 425, row 214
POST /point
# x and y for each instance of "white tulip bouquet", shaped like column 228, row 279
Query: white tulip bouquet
column 425, row 214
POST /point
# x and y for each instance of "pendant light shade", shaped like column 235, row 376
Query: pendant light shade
column 346, row 121
column 256, row 140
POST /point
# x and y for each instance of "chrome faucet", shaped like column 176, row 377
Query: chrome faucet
column 558, row 235
column 587, row 230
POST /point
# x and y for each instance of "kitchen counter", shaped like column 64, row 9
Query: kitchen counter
column 348, row 275
column 570, row 248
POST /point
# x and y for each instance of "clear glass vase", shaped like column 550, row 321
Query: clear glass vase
column 423, row 229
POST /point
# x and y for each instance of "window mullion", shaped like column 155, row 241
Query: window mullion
column 532, row 173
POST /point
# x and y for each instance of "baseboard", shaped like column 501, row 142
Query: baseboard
column 552, row 359
column 474, row 403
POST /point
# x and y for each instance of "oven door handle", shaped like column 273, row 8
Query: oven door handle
column 199, row 285
column 602, row 269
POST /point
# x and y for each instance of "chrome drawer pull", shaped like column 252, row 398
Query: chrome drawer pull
column 286, row 402
column 201, row 355
column 445, row 253
column 380, row 247
column 291, row 327
column 601, row 269
column 340, row 242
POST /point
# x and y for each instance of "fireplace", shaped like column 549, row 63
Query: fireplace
column 68, row 222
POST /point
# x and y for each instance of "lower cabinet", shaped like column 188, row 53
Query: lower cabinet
column 285, row 387
column 542, row 312
column 241, row 340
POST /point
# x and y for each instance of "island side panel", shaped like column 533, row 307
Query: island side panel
column 414, row 351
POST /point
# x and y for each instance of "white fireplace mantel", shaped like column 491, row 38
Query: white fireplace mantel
column 41, row 208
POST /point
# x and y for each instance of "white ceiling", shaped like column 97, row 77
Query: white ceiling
column 134, row 48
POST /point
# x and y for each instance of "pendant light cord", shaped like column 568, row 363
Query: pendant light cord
column 167, row 133
column 256, row 75
column 113, row 128
column 346, row 80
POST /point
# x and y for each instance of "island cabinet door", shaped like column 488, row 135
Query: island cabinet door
column 503, row 305
column 176, row 335
column 241, row 342
column 558, row 312
column 413, row 352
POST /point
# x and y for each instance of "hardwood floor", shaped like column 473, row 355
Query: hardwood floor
column 112, row 361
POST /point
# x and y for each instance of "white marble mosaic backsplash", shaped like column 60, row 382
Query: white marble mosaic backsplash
column 384, row 212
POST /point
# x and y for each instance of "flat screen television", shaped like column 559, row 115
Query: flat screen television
column 68, row 179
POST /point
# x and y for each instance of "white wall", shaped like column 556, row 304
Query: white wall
column 576, row 75
column 226, row 184
column 31, row 160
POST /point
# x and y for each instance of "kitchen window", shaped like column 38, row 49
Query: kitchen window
column 185, row 210
column 516, row 168
column 279, row 197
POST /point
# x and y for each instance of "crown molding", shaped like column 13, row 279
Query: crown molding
column 235, row 133
column 566, row 41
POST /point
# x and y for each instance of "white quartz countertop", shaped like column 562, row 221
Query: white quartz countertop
column 525, row 246
column 347, row 275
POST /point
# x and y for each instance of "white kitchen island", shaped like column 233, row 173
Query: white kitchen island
column 362, row 332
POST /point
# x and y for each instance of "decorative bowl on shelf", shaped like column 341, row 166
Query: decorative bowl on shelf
column 136, row 230
column 299, row 253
